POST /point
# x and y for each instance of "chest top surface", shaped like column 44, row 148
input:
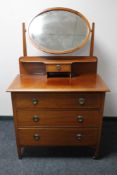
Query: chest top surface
column 36, row 83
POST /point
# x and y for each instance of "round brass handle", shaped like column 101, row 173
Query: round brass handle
column 35, row 118
column 82, row 101
column 58, row 67
column 80, row 118
column 79, row 137
column 36, row 137
column 34, row 101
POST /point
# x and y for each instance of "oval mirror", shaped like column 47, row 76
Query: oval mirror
column 59, row 30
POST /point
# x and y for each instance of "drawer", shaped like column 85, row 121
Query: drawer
column 58, row 68
column 56, row 136
column 57, row 100
column 38, row 118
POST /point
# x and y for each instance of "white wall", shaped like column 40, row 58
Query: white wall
column 13, row 13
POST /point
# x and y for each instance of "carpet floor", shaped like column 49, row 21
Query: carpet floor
column 58, row 161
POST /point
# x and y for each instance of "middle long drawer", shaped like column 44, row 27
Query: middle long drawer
column 50, row 118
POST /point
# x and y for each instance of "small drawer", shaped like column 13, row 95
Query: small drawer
column 39, row 118
column 57, row 100
column 57, row 136
column 58, row 68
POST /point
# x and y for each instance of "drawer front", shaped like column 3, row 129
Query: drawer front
column 38, row 118
column 57, row 100
column 56, row 136
column 58, row 68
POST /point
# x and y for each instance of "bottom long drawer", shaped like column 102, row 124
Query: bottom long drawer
column 57, row 136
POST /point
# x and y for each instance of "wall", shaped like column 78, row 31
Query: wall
column 13, row 13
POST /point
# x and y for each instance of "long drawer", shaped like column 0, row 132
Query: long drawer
column 55, row 136
column 57, row 100
column 52, row 118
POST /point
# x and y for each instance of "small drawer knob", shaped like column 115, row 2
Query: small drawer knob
column 34, row 101
column 80, row 118
column 82, row 101
column 35, row 118
column 36, row 137
column 58, row 67
column 79, row 137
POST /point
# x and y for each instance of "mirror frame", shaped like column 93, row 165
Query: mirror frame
column 50, row 51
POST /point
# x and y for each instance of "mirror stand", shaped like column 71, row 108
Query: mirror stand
column 57, row 65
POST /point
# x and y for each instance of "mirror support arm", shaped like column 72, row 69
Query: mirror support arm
column 24, row 39
column 92, row 40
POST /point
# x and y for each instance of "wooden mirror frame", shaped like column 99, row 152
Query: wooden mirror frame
column 91, row 31
column 77, row 47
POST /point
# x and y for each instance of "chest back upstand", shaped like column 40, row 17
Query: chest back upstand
column 58, row 100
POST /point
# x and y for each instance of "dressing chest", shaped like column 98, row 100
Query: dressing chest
column 58, row 100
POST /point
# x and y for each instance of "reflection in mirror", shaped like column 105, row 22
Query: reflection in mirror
column 59, row 31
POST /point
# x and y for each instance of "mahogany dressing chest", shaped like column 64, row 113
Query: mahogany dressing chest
column 58, row 100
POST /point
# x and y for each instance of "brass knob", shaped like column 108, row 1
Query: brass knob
column 35, row 118
column 80, row 118
column 82, row 101
column 79, row 137
column 36, row 137
column 34, row 101
column 58, row 67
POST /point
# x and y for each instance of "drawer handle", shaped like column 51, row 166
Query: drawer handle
column 35, row 118
column 82, row 101
column 80, row 118
column 79, row 137
column 34, row 101
column 36, row 137
column 58, row 67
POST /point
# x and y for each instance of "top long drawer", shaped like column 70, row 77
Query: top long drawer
column 56, row 100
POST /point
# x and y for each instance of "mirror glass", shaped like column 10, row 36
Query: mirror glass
column 59, row 31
